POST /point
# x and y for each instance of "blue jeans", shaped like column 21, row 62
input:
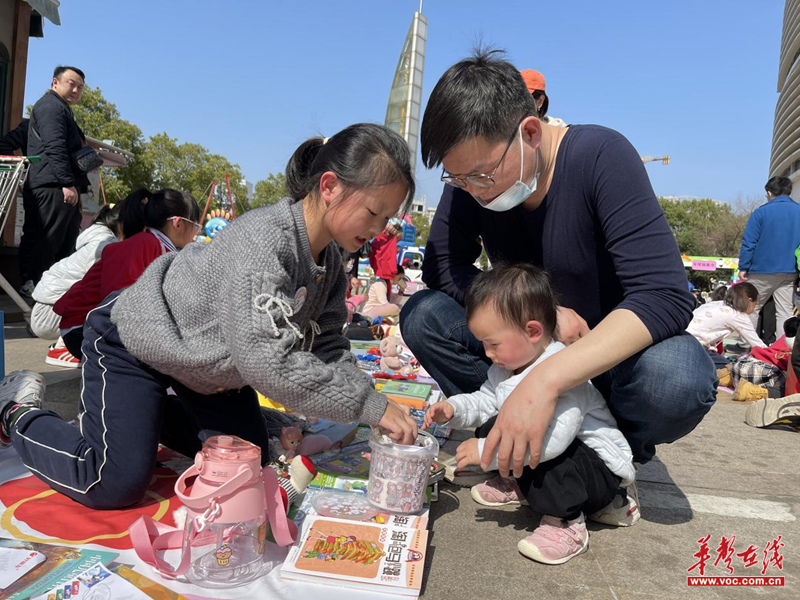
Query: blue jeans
column 657, row 395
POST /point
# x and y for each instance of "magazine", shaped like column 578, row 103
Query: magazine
column 61, row 564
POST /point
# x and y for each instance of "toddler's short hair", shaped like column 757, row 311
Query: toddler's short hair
column 519, row 292
column 738, row 296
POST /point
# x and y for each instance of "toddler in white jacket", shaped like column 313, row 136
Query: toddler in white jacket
column 585, row 458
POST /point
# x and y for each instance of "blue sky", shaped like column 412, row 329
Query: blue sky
column 252, row 79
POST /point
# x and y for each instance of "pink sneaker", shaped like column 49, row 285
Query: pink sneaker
column 498, row 491
column 555, row 541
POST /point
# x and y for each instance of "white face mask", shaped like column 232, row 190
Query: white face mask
column 517, row 193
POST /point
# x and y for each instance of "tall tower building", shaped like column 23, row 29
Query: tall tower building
column 785, row 159
column 403, row 111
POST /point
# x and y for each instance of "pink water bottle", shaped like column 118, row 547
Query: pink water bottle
column 229, row 506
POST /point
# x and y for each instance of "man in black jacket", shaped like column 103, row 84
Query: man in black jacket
column 52, row 192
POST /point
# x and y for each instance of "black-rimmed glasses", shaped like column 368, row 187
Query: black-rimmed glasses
column 482, row 180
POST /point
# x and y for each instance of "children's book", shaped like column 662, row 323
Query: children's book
column 352, row 461
column 420, row 391
column 60, row 566
column 358, row 555
column 407, row 401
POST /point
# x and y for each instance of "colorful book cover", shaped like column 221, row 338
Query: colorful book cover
column 339, row 482
column 352, row 461
column 408, row 388
column 353, row 554
column 407, row 401
column 62, row 564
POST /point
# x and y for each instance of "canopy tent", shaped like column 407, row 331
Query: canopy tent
column 48, row 9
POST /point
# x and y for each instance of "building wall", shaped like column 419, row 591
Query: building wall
column 785, row 159
column 6, row 45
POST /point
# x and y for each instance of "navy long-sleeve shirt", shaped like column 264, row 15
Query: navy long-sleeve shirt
column 599, row 232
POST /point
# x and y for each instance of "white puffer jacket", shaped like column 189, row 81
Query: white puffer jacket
column 581, row 412
column 61, row 276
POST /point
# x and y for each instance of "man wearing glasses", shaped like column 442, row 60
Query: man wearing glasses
column 576, row 201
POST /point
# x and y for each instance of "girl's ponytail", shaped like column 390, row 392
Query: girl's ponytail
column 362, row 156
column 299, row 182
column 168, row 203
column 131, row 212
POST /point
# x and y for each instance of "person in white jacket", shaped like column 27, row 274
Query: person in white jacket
column 585, row 458
column 111, row 224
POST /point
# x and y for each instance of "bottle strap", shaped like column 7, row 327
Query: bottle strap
column 284, row 530
column 149, row 536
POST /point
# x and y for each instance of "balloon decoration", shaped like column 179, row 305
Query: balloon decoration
column 217, row 220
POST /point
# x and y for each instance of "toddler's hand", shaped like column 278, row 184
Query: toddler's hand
column 440, row 412
column 467, row 454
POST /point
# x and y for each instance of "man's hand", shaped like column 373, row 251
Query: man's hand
column 743, row 275
column 438, row 412
column 467, row 453
column 70, row 195
column 570, row 326
column 398, row 424
column 521, row 424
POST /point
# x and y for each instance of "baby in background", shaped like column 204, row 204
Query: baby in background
column 585, row 458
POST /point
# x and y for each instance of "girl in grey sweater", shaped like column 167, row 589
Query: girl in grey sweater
column 259, row 308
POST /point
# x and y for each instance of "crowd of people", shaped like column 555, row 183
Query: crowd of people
column 575, row 356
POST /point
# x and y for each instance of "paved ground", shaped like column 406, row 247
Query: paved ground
column 723, row 479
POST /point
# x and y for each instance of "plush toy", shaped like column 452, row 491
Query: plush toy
column 294, row 443
column 391, row 361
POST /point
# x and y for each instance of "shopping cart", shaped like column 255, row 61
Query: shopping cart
column 13, row 170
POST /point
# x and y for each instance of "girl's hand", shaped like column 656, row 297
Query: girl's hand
column 440, row 412
column 398, row 424
column 467, row 453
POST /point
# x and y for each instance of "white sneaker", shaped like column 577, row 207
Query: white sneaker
column 19, row 387
column 623, row 510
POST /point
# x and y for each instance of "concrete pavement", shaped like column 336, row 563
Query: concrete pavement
column 725, row 478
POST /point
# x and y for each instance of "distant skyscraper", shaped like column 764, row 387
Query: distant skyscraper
column 403, row 111
column 785, row 158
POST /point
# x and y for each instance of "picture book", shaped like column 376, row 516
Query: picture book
column 61, row 564
column 353, row 554
column 352, row 461
column 411, row 389
column 407, row 401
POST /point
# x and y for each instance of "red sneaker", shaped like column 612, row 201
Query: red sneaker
column 61, row 357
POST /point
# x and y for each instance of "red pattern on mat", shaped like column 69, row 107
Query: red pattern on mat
column 57, row 517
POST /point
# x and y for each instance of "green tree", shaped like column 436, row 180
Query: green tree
column 269, row 191
column 423, row 226
column 191, row 168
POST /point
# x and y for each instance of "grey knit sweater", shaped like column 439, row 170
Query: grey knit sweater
column 252, row 308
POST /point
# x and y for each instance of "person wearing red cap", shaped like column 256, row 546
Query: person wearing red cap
column 534, row 80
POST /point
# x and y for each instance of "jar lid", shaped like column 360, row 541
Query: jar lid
column 424, row 445
column 343, row 505
column 230, row 448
